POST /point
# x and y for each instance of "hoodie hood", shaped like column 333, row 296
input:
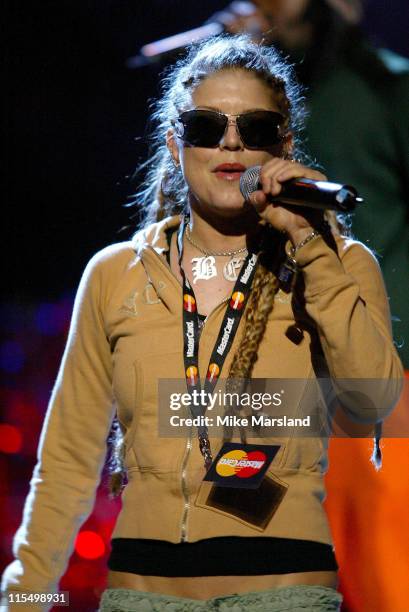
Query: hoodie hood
column 154, row 235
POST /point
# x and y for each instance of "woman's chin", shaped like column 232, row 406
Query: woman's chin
column 228, row 207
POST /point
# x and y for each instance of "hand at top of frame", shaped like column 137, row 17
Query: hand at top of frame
column 241, row 16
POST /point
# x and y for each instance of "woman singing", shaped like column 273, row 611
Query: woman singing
column 212, row 287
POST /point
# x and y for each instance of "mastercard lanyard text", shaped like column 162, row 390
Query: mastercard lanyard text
column 227, row 332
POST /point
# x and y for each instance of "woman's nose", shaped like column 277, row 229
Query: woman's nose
column 231, row 138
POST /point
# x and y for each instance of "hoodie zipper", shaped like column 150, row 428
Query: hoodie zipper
column 189, row 441
column 185, row 492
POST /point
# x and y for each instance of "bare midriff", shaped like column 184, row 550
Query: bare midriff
column 206, row 587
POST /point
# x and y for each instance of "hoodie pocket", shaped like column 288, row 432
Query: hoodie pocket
column 131, row 412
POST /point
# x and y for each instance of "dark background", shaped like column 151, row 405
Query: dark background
column 73, row 120
column 74, row 116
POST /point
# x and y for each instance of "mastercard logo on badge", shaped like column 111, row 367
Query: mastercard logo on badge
column 240, row 463
column 191, row 375
column 189, row 303
column 241, row 466
column 237, row 300
column 213, row 371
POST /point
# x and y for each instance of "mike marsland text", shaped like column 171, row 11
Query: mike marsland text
column 255, row 420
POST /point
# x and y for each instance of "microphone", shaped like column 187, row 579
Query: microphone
column 218, row 23
column 305, row 192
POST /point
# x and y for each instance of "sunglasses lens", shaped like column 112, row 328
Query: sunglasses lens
column 260, row 129
column 203, row 128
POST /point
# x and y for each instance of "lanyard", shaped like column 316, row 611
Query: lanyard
column 227, row 332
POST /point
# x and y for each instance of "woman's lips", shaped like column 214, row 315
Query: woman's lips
column 229, row 172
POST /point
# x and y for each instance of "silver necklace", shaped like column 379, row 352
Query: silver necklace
column 204, row 268
column 207, row 253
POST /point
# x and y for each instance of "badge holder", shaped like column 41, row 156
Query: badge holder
column 238, row 486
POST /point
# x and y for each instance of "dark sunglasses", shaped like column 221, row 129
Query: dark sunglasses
column 205, row 128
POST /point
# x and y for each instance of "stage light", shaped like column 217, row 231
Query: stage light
column 52, row 318
column 89, row 545
column 11, row 439
column 12, row 357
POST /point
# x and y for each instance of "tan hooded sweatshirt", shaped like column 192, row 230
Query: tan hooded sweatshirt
column 126, row 333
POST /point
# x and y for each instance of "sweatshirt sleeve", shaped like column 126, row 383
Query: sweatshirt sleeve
column 71, row 452
column 345, row 296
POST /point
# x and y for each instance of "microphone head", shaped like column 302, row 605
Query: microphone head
column 249, row 181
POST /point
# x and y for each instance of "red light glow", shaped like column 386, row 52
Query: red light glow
column 89, row 545
column 11, row 440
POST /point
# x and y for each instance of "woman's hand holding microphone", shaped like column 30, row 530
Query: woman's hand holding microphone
column 297, row 222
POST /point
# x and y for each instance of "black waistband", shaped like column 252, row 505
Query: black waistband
column 221, row 556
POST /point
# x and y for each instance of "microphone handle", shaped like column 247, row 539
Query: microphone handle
column 321, row 195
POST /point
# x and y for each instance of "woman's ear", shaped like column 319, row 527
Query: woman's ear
column 172, row 145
